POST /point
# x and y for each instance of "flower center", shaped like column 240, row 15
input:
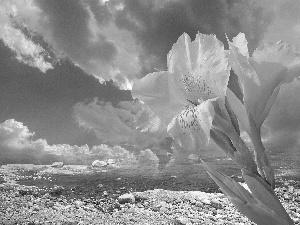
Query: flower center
column 196, row 87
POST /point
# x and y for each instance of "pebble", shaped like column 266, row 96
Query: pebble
column 126, row 198
column 98, row 163
column 182, row 221
column 287, row 196
column 57, row 164
column 163, row 209
column 79, row 203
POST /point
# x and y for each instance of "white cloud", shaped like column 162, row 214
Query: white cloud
column 26, row 50
column 122, row 41
column 75, row 30
column 14, row 134
column 104, row 120
column 286, row 22
column 17, row 146
column 113, row 125
column 104, row 152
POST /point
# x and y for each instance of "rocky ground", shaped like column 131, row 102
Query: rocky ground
column 79, row 195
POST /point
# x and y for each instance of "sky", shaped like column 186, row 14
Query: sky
column 67, row 67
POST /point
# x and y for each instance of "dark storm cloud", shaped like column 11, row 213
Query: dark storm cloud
column 125, row 39
column 157, row 25
column 100, row 11
column 69, row 24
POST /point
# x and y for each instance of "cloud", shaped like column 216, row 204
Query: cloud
column 125, row 39
column 286, row 22
column 156, row 25
column 82, row 31
column 114, row 125
column 17, row 146
column 14, row 134
column 27, row 51
column 282, row 126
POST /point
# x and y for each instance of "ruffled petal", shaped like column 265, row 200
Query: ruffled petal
column 280, row 52
column 259, row 99
column 239, row 60
column 191, row 128
column 160, row 93
column 241, row 43
column 275, row 63
column 262, row 74
column 201, row 67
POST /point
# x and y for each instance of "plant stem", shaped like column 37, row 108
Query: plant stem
column 261, row 159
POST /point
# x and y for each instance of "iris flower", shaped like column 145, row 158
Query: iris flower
column 262, row 74
column 260, row 77
column 182, row 96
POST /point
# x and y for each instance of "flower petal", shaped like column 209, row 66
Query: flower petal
column 260, row 75
column 239, row 60
column 242, row 44
column 257, row 96
column 280, row 52
column 201, row 67
column 191, row 128
column 159, row 92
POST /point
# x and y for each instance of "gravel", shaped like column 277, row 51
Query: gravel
column 34, row 196
column 21, row 204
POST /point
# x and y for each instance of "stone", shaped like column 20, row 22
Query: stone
column 287, row 197
column 140, row 196
column 79, row 203
column 182, row 221
column 111, row 161
column 57, row 164
column 206, row 201
column 163, row 209
column 126, row 198
column 98, row 163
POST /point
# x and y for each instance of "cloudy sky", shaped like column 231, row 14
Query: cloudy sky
column 66, row 67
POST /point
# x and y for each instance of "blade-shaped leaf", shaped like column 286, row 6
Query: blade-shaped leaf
column 239, row 110
column 223, row 141
column 263, row 164
column 268, row 107
column 244, row 201
column 265, row 193
column 232, row 116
